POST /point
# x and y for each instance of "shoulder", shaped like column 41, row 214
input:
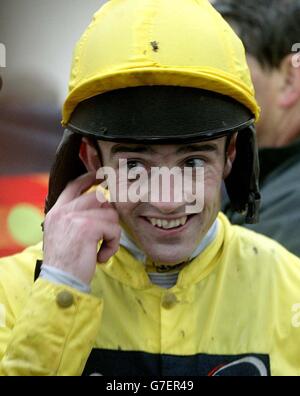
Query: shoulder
column 19, row 268
column 16, row 280
column 263, row 263
column 252, row 247
column 263, row 278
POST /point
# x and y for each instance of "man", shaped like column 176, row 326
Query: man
column 179, row 291
column 270, row 31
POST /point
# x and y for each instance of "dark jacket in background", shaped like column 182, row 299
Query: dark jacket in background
column 280, row 189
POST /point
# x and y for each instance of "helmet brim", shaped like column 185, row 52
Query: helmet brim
column 159, row 114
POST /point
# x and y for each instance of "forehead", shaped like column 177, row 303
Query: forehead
column 114, row 148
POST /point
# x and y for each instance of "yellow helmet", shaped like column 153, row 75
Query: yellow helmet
column 183, row 43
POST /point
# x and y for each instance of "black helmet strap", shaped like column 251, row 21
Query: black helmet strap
column 242, row 183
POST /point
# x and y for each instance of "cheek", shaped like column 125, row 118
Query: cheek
column 212, row 186
column 213, row 177
column 126, row 211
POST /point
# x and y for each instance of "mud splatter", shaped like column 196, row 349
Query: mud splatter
column 154, row 45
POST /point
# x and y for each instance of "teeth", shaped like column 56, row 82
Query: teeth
column 166, row 224
column 183, row 220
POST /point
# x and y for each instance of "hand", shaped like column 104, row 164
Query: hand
column 75, row 225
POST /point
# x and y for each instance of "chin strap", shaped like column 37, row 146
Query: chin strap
column 242, row 183
column 252, row 215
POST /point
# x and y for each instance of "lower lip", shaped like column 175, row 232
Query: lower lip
column 170, row 231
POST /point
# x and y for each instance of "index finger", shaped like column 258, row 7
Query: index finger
column 76, row 187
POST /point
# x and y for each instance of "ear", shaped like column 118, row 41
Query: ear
column 89, row 156
column 290, row 90
column 230, row 155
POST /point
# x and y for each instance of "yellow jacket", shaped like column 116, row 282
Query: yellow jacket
column 235, row 310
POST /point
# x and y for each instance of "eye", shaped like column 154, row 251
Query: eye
column 194, row 163
column 131, row 164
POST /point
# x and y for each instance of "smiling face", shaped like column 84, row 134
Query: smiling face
column 164, row 231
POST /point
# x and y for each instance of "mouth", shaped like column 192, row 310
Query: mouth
column 170, row 226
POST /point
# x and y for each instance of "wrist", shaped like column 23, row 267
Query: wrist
column 59, row 276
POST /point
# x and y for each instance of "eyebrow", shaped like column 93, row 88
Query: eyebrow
column 191, row 148
column 143, row 149
column 119, row 148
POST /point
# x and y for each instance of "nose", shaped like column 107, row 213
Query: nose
column 166, row 195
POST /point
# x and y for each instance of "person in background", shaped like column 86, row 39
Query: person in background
column 270, row 32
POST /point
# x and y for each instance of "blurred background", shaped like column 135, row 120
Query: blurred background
column 39, row 37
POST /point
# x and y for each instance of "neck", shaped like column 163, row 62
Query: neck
column 282, row 133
